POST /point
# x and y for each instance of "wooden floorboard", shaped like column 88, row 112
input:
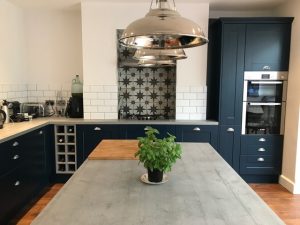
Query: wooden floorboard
column 283, row 203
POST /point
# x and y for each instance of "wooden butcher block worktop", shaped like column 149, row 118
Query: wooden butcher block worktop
column 115, row 149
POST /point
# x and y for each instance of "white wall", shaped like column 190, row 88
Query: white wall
column 291, row 156
column 53, row 45
column 99, row 24
column 12, row 65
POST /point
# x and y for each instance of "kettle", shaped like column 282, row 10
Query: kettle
column 2, row 118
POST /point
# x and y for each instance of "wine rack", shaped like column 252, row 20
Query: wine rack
column 65, row 149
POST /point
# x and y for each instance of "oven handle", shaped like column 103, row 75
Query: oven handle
column 266, row 82
column 263, row 103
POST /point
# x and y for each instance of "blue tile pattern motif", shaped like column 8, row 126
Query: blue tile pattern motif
column 145, row 91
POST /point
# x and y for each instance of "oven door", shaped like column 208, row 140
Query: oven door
column 264, row 91
column 263, row 118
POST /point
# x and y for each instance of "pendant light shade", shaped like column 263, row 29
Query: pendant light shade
column 163, row 28
column 154, row 63
column 157, row 54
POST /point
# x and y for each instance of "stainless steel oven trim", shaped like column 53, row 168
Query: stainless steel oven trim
column 244, row 117
column 282, row 119
column 245, row 90
column 284, row 88
column 273, row 75
column 264, row 103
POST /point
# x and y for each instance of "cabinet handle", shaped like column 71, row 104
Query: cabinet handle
column 261, row 150
column 41, row 132
column 260, row 159
column 17, row 183
column 146, row 129
column 70, row 130
column 266, row 68
column 61, row 140
column 15, row 144
column 262, row 139
column 230, row 130
column 196, row 129
column 16, row 157
column 97, row 128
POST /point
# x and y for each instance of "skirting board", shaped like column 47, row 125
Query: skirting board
column 289, row 185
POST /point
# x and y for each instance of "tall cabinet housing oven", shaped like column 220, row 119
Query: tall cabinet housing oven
column 248, row 60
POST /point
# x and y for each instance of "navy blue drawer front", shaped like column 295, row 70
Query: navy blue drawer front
column 261, row 140
column 259, row 164
column 11, row 155
column 193, row 133
column 260, row 149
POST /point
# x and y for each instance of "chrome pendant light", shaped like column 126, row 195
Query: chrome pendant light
column 163, row 28
column 157, row 54
column 155, row 63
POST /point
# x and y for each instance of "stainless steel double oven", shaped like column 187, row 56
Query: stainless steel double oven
column 264, row 101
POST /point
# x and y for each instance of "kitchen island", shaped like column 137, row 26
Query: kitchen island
column 202, row 189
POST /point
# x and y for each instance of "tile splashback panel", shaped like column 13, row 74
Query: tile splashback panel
column 147, row 91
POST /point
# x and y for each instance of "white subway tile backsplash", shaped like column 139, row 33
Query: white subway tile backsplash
column 97, row 116
column 114, row 96
column 182, row 102
column 182, row 116
column 42, row 87
column 31, row 87
column 111, row 116
column 91, row 108
column 86, row 102
column 196, row 102
column 111, row 88
column 191, row 103
column 104, row 109
column 111, row 102
column 96, row 102
column 90, row 95
column 87, row 116
column 96, row 88
column 104, row 95
column 49, row 93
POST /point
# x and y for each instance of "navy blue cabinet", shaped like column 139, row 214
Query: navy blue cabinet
column 268, row 45
column 91, row 135
column 261, row 156
column 229, row 144
column 198, row 133
column 134, row 131
column 225, row 79
column 25, row 172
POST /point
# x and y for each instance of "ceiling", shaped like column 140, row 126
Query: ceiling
column 214, row 4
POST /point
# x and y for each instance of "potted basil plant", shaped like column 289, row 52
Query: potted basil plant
column 157, row 155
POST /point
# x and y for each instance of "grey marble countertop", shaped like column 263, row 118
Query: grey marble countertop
column 202, row 189
column 12, row 130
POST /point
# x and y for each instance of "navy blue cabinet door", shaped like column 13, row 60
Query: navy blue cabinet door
column 232, row 70
column 268, row 47
column 229, row 144
column 93, row 134
column 194, row 133
column 134, row 131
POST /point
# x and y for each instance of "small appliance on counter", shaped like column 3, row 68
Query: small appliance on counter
column 34, row 109
column 2, row 118
column 75, row 104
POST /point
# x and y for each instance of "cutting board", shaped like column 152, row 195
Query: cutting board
column 114, row 150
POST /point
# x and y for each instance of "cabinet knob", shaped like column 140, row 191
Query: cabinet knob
column 266, row 67
column 260, row 159
column 230, row 130
column 61, row 140
column 262, row 139
column 70, row 130
column 97, row 128
column 16, row 157
column 196, row 129
column 17, row 183
column 15, row 144
column 261, row 150
column 41, row 132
